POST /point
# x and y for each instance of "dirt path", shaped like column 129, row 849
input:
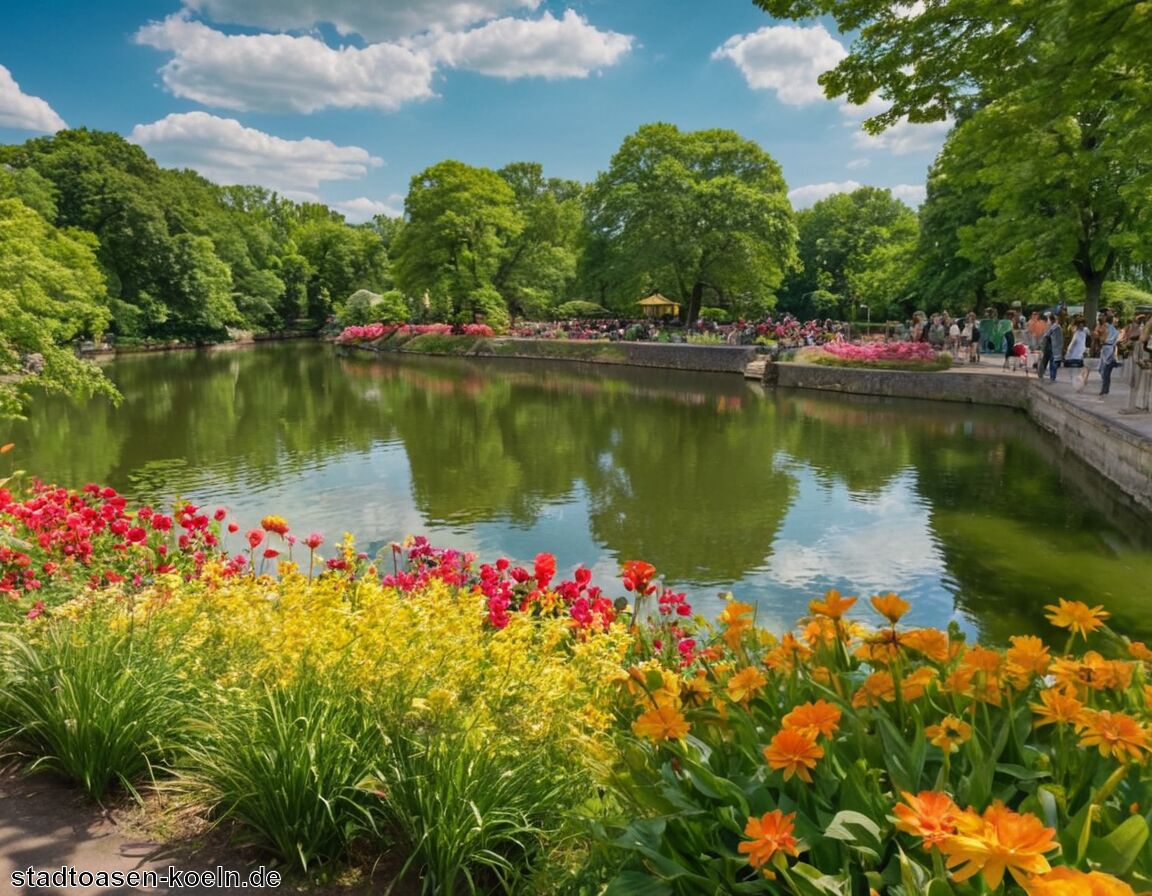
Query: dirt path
column 49, row 827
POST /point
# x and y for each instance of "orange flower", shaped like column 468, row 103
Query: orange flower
column 1092, row 671
column 785, row 655
column 833, row 606
column 276, row 524
column 1113, row 733
column 949, row 734
column 736, row 618
column 814, row 718
column 1056, row 706
column 876, row 688
column 931, row 642
column 981, row 659
column 999, row 840
column 661, row 723
column 770, row 834
column 881, row 648
column 1138, row 650
column 891, row 607
column 1070, row 882
column 930, row 815
column 743, row 686
column 1076, row 616
column 912, row 686
column 794, row 752
column 696, row 691
column 1029, row 654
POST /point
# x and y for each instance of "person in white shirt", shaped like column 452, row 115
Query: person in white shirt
column 1074, row 357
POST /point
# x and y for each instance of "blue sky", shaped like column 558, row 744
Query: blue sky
column 343, row 101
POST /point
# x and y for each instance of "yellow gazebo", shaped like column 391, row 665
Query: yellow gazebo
column 657, row 305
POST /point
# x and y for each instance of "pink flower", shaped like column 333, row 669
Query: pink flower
column 314, row 540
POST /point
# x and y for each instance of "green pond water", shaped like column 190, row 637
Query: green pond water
column 973, row 514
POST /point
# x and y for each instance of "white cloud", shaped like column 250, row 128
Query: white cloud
column 855, row 164
column 904, row 138
column 226, row 152
column 546, row 47
column 784, row 58
column 374, row 20
column 874, row 105
column 802, row 197
column 24, row 112
column 364, row 209
column 278, row 72
column 913, row 194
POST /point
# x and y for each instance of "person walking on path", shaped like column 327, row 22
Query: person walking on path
column 1053, row 344
column 1108, row 361
column 1077, row 345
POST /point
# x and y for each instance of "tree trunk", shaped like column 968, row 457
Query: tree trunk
column 1093, row 287
column 695, row 302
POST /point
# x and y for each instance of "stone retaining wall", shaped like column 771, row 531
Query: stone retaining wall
column 935, row 386
column 706, row 358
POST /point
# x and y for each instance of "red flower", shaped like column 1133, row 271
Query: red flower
column 545, row 569
column 37, row 609
column 314, row 540
column 255, row 536
column 136, row 535
column 271, row 553
column 233, row 527
column 637, row 575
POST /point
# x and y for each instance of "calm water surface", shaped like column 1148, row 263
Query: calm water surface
column 970, row 513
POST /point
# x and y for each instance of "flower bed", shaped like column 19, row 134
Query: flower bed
column 878, row 355
column 329, row 703
column 372, row 332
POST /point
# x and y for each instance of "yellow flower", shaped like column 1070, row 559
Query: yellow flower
column 1113, row 733
column 930, row 815
column 736, row 619
column 1029, row 654
column 949, row 734
column 770, row 834
column 814, row 718
column 661, row 723
column 833, row 606
column 1070, row 882
column 891, row 607
column 999, row 840
column 696, row 691
column 743, row 686
column 1077, row 617
column 913, row 686
column 1056, row 706
column 794, row 753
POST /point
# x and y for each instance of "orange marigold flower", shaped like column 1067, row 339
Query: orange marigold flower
column 736, row 619
column 1056, row 706
column 999, row 840
column 696, row 691
column 931, row 642
column 785, row 655
column 876, row 688
column 981, row 659
column 913, row 686
column 881, row 648
column 1028, row 653
column 1070, row 882
column 814, row 718
column 833, row 606
column 661, row 723
column 1113, row 733
column 891, row 607
column 821, row 631
column 1076, row 616
column 276, row 524
column 1092, row 671
column 949, row 734
column 930, row 815
column 794, row 752
column 743, row 686
column 770, row 834
column 1138, row 650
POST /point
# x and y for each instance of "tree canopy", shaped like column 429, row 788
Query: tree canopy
column 1050, row 101
column 692, row 212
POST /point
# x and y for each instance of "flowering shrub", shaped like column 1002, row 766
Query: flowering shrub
column 881, row 351
column 832, row 759
column 371, row 332
column 903, row 759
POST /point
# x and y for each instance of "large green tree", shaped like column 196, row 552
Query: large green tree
column 855, row 248
column 1051, row 97
column 51, row 292
column 694, row 213
column 460, row 222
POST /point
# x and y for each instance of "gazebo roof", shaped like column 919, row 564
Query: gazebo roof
column 657, row 301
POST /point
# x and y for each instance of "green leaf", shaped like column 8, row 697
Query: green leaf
column 859, row 831
column 637, row 883
column 1117, row 853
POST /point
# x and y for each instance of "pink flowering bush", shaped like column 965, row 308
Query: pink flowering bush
column 372, row 332
column 889, row 355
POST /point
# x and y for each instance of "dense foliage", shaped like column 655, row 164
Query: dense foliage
column 491, row 727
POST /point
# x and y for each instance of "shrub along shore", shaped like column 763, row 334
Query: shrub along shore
column 487, row 728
